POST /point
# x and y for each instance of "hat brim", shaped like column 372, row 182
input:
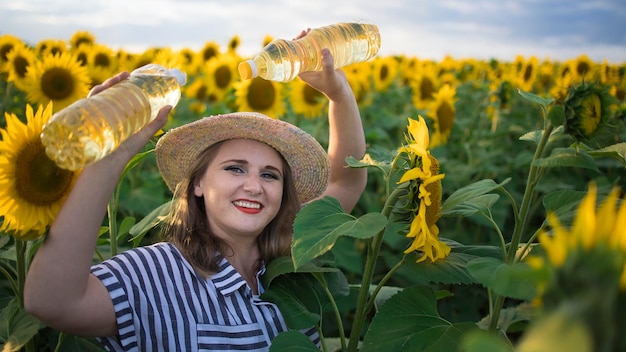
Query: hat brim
column 180, row 147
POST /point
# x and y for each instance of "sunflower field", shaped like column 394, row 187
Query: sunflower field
column 493, row 218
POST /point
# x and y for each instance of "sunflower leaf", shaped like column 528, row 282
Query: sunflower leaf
column 409, row 321
column 321, row 222
column 568, row 157
column 504, row 279
column 463, row 197
column 292, row 341
column 615, row 151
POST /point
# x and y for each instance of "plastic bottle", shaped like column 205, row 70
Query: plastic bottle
column 93, row 127
column 282, row 60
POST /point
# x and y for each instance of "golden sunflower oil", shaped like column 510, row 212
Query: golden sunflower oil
column 282, row 60
column 92, row 128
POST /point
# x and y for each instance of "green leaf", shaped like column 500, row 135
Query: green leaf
column 409, row 321
column 483, row 341
column 506, row 280
column 292, row 341
column 73, row 343
column 480, row 204
column 534, row 98
column 321, row 222
column 556, row 115
column 147, row 223
column 615, row 151
column 284, row 265
column 16, row 326
column 459, row 200
column 298, row 300
column 512, row 317
column 125, row 226
column 568, row 157
column 563, row 203
column 453, row 268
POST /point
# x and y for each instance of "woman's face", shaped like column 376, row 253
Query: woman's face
column 242, row 188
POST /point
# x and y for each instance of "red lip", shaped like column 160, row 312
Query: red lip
column 248, row 210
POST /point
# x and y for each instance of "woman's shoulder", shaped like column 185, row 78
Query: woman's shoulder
column 158, row 255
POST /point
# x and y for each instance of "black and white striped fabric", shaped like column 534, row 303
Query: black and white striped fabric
column 161, row 304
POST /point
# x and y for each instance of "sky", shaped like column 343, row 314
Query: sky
column 427, row 29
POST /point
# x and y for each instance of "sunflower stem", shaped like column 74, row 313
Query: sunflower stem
column 342, row 336
column 112, row 215
column 370, row 264
column 20, row 254
column 533, row 178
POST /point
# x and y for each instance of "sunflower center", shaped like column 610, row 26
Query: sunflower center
column 427, row 89
column 261, row 94
column 383, row 73
column 591, row 114
column 223, row 76
column 445, row 117
column 57, row 83
column 528, row 73
column 4, row 51
column 82, row 59
column 39, row 180
column 311, row 96
column 20, row 64
column 209, row 53
column 435, row 190
column 102, row 60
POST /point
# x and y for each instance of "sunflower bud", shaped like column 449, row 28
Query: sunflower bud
column 587, row 110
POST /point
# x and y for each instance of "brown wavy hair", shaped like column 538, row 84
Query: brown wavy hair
column 187, row 228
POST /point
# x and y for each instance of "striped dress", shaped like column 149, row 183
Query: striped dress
column 161, row 304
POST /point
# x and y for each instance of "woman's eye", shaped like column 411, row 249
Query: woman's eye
column 270, row 175
column 233, row 168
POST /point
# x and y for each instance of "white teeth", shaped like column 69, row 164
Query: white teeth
column 241, row 203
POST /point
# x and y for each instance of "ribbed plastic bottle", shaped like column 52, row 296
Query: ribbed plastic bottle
column 282, row 60
column 93, row 127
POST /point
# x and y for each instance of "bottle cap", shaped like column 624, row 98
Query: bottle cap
column 247, row 70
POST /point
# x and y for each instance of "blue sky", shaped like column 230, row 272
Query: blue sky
column 482, row 29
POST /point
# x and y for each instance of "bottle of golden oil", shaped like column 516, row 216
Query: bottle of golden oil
column 282, row 60
column 93, row 127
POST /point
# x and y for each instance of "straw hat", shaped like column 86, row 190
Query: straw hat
column 178, row 148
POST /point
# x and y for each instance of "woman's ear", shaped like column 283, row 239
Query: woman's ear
column 197, row 191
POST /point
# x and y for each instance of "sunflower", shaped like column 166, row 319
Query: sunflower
column 188, row 61
column 583, row 67
column 7, row 43
column 51, row 47
column 442, row 111
column 57, row 78
column 233, row 44
column 426, row 187
column 221, row 73
column 587, row 111
column 33, row 186
column 102, row 63
column 385, row 71
column 209, row 50
column 198, row 91
column 260, row 95
column 527, row 74
column 18, row 62
column 424, row 85
column 359, row 78
column 583, row 267
column 81, row 38
column 306, row 100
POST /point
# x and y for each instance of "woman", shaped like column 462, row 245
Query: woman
column 238, row 180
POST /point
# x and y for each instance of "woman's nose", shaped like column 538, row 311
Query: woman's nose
column 253, row 185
